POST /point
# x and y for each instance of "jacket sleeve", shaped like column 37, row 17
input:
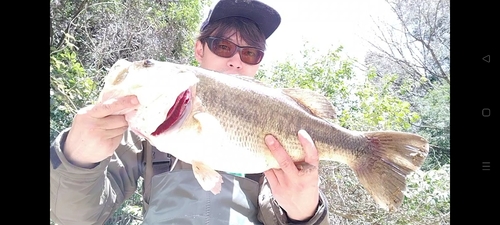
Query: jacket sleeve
column 90, row 196
column 270, row 213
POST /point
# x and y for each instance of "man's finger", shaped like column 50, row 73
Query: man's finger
column 309, row 148
column 116, row 132
column 111, row 122
column 284, row 160
column 112, row 106
column 271, row 178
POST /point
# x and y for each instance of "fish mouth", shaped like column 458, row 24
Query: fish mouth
column 176, row 113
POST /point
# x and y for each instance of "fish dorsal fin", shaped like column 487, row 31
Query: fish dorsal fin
column 316, row 103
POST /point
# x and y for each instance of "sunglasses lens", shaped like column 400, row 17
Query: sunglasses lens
column 251, row 56
column 223, row 48
column 226, row 49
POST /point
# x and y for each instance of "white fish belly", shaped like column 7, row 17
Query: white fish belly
column 218, row 152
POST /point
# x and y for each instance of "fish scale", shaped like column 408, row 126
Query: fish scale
column 271, row 113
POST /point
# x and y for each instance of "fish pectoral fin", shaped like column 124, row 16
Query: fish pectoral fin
column 210, row 128
column 312, row 101
column 208, row 178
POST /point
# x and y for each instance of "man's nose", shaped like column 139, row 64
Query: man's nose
column 235, row 61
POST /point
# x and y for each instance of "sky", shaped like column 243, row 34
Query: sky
column 325, row 24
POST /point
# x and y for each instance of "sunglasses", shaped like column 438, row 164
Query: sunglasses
column 226, row 49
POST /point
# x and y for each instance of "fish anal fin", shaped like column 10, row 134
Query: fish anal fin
column 390, row 156
column 208, row 178
column 316, row 103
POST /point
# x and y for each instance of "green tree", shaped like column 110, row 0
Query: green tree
column 417, row 50
column 361, row 104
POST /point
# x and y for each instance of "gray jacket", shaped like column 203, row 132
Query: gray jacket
column 90, row 196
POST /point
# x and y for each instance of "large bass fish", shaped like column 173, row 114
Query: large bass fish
column 217, row 121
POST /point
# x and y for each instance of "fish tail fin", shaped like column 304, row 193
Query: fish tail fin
column 389, row 157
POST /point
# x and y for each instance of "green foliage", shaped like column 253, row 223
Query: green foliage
column 434, row 108
column 179, row 14
column 326, row 74
column 70, row 87
column 130, row 212
column 360, row 103
column 426, row 201
column 416, row 47
column 427, row 197
column 378, row 108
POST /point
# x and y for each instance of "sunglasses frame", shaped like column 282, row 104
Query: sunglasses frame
column 210, row 41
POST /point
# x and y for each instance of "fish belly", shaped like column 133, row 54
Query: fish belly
column 219, row 151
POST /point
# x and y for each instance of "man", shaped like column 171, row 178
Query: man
column 95, row 164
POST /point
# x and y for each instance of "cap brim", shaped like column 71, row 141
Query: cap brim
column 266, row 18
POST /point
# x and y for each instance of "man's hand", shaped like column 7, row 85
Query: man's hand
column 97, row 131
column 295, row 190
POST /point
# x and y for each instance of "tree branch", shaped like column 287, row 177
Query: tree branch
column 54, row 86
column 77, row 12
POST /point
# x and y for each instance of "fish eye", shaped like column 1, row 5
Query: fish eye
column 147, row 63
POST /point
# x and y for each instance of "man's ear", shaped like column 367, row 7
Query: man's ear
column 198, row 51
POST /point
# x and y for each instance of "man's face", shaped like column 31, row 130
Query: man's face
column 233, row 65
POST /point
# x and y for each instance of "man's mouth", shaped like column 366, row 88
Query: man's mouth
column 175, row 113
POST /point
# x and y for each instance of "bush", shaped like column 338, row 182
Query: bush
column 427, row 198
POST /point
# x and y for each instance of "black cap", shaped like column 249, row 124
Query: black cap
column 266, row 18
